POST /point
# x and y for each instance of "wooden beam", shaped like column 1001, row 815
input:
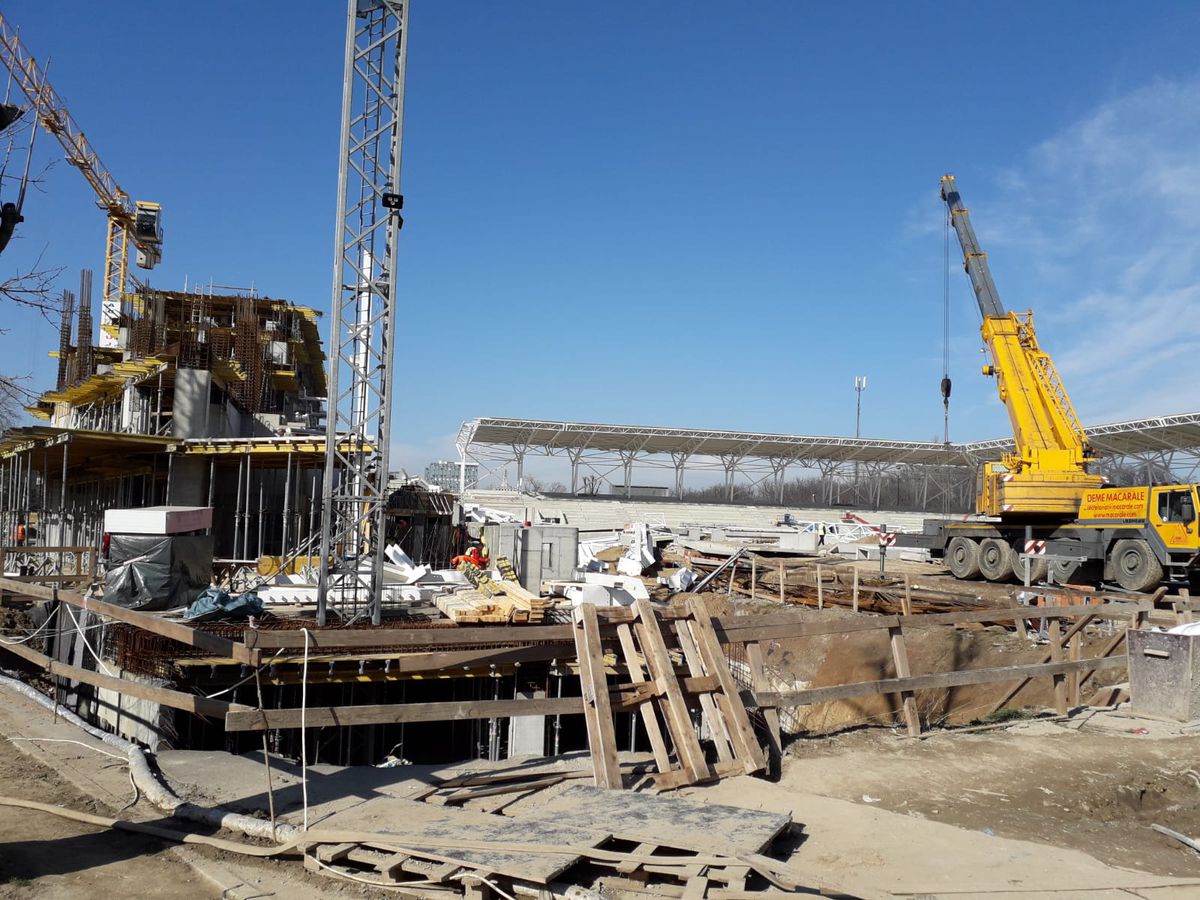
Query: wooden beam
column 745, row 744
column 908, row 701
column 653, row 731
column 602, row 741
column 175, row 699
column 679, row 720
column 176, row 631
column 350, row 638
column 1056, row 655
column 930, row 682
column 785, row 625
column 758, row 678
column 716, row 722
column 394, row 713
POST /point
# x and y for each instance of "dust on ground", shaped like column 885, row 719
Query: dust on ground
column 50, row 858
column 1064, row 785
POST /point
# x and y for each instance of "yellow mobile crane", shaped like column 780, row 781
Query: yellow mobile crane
column 138, row 224
column 1041, row 502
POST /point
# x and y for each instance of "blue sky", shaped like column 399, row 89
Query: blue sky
column 694, row 214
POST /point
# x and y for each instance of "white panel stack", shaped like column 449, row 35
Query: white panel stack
column 158, row 520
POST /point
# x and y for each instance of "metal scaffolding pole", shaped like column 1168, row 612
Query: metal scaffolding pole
column 363, row 324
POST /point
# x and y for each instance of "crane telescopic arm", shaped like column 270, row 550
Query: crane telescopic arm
column 974, row 259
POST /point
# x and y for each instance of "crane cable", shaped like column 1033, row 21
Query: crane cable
column 945, row 384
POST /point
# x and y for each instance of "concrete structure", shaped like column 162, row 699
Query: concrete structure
column 209, row 400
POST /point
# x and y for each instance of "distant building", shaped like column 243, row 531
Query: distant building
column 639, row 490
column 444, row 473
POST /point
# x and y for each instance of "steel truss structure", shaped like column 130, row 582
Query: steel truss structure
column 362, row 330
column 1166, row 446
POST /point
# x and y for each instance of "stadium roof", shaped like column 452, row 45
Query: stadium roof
column 1161, row 434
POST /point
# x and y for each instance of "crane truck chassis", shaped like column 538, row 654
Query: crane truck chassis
column 1130, row 536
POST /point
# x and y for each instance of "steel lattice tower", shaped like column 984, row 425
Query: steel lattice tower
column 363, row 325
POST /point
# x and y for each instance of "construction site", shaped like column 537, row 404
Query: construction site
column 244, row 654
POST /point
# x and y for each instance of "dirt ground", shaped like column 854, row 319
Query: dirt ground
column 1077, row 785
column 51, row 858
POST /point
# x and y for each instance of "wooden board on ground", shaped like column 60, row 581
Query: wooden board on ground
column 408, row 818
column 660, row 820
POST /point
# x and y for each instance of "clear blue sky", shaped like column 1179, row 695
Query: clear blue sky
column 694, row 214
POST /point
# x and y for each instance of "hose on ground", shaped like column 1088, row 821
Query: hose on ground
column 154, row 790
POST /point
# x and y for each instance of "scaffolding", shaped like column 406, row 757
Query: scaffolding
column 363, row 327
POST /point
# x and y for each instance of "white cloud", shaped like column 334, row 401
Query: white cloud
column 1101, row 223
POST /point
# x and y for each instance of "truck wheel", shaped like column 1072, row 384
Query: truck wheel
column 1063, row 570
column 962, row 556
column 1071, row 572
column 1037, row 568
column 995, row 560
column 1133, row 565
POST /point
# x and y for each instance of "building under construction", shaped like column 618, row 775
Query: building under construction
column 207, row 399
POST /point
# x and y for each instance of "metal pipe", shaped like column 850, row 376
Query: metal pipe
column 246, row 512
column 62, row 502
column 212, row 479
column 259, row 515
column 237, row 511
column 287, row 507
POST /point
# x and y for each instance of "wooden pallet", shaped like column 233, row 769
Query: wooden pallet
column 474, row 607
column 665, row 708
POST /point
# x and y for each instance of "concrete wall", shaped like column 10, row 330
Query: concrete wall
column 191, row 409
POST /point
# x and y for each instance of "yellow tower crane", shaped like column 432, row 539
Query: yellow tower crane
column 129, row 223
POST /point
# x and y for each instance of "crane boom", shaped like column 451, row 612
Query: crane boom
column 974, row 259
column 129, row 222
column 1047, row 473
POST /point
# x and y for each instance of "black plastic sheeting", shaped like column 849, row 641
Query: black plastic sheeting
column 154, row 572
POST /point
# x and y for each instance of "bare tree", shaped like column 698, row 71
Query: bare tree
column 31, row 290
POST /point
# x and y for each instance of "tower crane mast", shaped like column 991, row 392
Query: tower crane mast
column 137, row 224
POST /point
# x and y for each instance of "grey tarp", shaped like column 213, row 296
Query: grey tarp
column 157, row 572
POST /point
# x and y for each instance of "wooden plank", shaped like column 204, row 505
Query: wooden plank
column 679, row 720
column 782, row 626
column 463, row 794
column 742, row 733
column 1111, row 645
column 1046, row 657
column 700, row 826
column 602, row 740
column 708, row 705
column 820, row 589
column 758, row 676
column 192, row 703
column 653, row 731
column 394, row 713
column 1075, row 680
column 176, row 631
column 1056, row 655
column 349, row 638
column 908, row 701
column 631, row 865
column 926, row 682
column 855, row 589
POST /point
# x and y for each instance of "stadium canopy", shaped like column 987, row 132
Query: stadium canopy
column 604, row 449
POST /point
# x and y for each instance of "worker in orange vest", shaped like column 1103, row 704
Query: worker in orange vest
column 475, row 555
column 19, row 533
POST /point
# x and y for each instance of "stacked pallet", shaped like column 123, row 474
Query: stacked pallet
column 473, row 607
column 663, row 700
